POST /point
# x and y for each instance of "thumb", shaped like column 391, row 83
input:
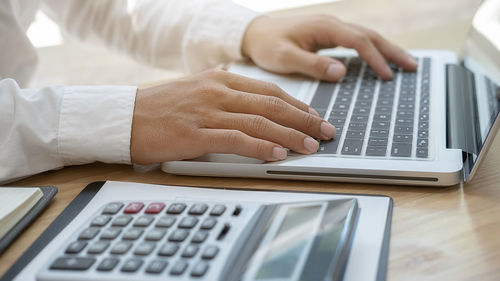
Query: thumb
column 323, row 68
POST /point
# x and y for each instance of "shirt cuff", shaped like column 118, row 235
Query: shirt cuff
column 216, row 34
column 95, row 124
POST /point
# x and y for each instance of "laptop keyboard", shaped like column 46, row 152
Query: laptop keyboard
column 376, row 118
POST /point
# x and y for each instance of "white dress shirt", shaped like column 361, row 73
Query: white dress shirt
column 44, row 129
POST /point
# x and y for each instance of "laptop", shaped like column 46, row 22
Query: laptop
column 429, row 127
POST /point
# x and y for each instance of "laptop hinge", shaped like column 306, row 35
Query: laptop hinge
column 462, row 115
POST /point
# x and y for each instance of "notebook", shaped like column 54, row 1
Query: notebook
column 18, row 207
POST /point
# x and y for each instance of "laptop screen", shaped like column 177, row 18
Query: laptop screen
column 481, row 55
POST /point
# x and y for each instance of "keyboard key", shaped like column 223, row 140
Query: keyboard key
column 208, row 223
column 377, row 142
column 154, row 208
column 121, row 221
column 178, row 235
column 88, row 233
column 73, row 263
column 210, row 252
column 112, row 208
column 402, row 138
column 422, row 143
column 382, row 117
column 178, row 267
column 190, row 251
column 403, row 130
column 355, row 134
column 379, row 133
column 155, row 234
column 101, row 220
column 108, row 264
column 131, row 265
column 133, row 208
column 156, row 266
column 144, row 249
column 199, row 269
column 188, row 222
column 357, row 126
column 75, row 247
column 110, row 233
column 217, row 210
column 352, row 147
column 121, row 248
column 176, row 208
column 401, row 149
column 422, row 152
column 376, row 150
column 199, row 237
column 166, row 221
column 329, row 146
column 381, row 125
column 168, row 249
column 144, row 221
column 98, row 247
column 132, row 234
column 423, row 134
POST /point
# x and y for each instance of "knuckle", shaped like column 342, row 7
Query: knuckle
column 360, row 40
column 232, row 138
column 261, row 149
column 276, row 105
column 310, row 121
column 259, row 124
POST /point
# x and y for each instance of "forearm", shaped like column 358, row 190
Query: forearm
column 56, row 126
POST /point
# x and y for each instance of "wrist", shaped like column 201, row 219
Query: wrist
column 251, row 35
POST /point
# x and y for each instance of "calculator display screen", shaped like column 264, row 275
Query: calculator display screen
column 289, row 243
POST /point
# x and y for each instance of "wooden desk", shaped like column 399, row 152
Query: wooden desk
column 448, row 233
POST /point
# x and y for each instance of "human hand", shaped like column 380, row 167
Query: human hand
column 288, row 45
column 220, row 112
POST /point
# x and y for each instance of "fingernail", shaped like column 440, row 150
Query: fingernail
column 311, row 145
column 334, row 71
column 412, row 61
column 313, row 111
column 279, row 153
column 327, row 130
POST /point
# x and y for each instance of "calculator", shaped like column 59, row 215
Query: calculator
column 193, row 240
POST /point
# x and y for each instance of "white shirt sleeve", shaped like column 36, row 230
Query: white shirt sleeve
column 56, row 126
column 191, row 35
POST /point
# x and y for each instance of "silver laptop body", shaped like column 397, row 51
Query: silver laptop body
column 431, row 127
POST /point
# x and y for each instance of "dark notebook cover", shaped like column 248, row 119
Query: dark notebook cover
column 48, row 194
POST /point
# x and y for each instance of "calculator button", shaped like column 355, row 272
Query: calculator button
column 208, row 223
column 190, row 251
column 217, row 210
column 165, row 221
column 155, row 234
column 144, row 249
column 143, row 221
column 178, row 267
column 121, row 248
column 156, row 266
column 188, row 222
column 107, row 264
column 178, row 235
column 168, row 249
column 133, row 208
column 112, row 208
column 88, row 233
column 75, row 247
column 122, row 221
column 210, row 252
column 101, row 220
column 110, row 233
column 98, row 247
column 132, row 234
column 131, row 265
column 154, row 208
column 199, row 269
column 199, row 237
column 198, row 209
column 176, row 208
column 74, row 263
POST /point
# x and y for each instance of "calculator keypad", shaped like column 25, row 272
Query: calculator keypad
column 153, row 238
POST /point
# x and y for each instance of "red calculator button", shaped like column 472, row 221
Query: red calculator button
column 154, row 208
column 133, row 207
